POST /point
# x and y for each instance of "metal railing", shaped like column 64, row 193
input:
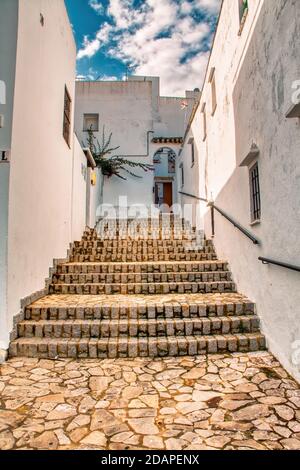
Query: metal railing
column 213, row 207
column 234, row 223
column 279, row 263
column 249, row 235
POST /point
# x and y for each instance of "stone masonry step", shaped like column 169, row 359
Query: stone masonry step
column 118, row 307
column 144, row 288
column 144, row 250
column 138, row 243
column 138, row 327
column 146, row 267
column 134, row 347
column 142, row 235
column 145, row 244
column 145, row 257
column 219, row 276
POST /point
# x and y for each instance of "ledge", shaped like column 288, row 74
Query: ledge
column 251, row 156
column 294, row 111
column 167, row 140
column 90, row 158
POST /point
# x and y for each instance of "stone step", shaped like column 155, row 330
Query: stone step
column 143, row 235
column 118, row 307
column 138, row 327
column 117, row 278
column 138, row 257
column 146, row 267
column 135, row 347
column 144, row 252
column 143, row 288
column 140, row 245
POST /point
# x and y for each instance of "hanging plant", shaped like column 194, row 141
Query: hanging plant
column 112, row 166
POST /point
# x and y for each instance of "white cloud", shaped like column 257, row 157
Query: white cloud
column 90, row 48
column 124, row 14
column 97, row 6
column 161, row 37
column 212, row 6
column 108, row 78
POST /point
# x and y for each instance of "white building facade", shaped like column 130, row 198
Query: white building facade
column 245, row 134
column 44, row 173
column 143, row 124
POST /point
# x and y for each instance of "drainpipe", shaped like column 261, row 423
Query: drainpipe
column 148, row 148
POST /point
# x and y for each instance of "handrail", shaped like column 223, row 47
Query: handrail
column 236, row 224
column 279, row 263
column 194, row 197
column 213, row 207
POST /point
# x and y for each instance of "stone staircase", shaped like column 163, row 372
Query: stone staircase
column 154, row 292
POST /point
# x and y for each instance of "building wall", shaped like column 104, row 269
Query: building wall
column 4, row 188
column 191, row 208
column 79, row 191
column 8, row 44
column 254, row 90
column 125, row 108
column 130, row 110
column 40, row 192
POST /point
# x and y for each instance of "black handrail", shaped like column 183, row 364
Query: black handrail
column 194, row 197
column 279, row 263
column 213, row 207
column 236, row 224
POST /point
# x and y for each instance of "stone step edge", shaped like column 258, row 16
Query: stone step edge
column 152, row 310
column 150, row 288
column 137, row 328
column 146, row 263
column 180, row 273
column 143, row 283
column 136, row 347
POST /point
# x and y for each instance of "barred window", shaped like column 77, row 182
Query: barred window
column 255, row 193
column 182, row 174
column 67, row 117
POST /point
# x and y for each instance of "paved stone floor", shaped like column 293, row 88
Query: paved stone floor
column 239, row 401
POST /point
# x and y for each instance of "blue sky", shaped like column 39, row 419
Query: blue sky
column 166, row 38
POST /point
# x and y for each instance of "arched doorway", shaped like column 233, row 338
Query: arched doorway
column 164, row 165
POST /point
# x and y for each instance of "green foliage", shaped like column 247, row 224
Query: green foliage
column 112, row 166
column 245, row 5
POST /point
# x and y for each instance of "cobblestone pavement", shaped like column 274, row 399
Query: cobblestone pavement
column 239, row 401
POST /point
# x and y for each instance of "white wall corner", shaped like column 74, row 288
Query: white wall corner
column 3, row 355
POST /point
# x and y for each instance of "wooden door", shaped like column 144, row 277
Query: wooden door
column 168, row 196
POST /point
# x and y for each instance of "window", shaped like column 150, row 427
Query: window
column 212, row 81
column 255, row 193
column 171, row 162
column 191, row 142
column 67, row 117
column 203, row 111
column 91, row 121
column 182, row 174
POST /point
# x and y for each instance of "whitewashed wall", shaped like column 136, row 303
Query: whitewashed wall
column 8, row 44
column 125, row 108
column 129, row 110
column 40, row 191
column 79, row 191
column 254, row 73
